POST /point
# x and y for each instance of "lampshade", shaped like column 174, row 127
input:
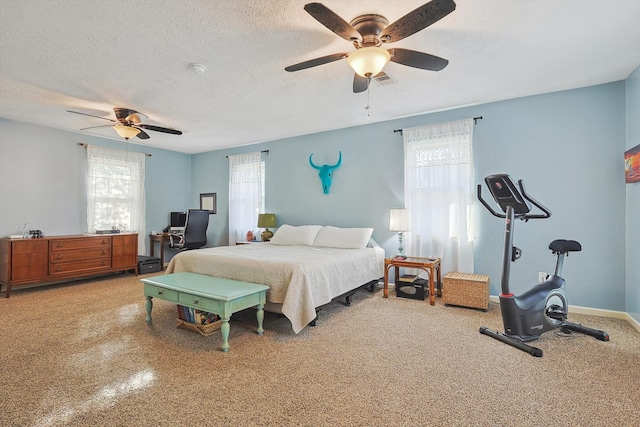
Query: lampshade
column 399, row 220
column 368, row 61
column 127, row 132
column 266, row 220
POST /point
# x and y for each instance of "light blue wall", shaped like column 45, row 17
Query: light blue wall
column 633, row 200
column 42, row 180
column 566, row 146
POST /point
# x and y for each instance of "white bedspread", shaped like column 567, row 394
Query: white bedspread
column 300, row 278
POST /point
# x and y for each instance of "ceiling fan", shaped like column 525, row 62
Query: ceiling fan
column 369, row 32
column 128, row 124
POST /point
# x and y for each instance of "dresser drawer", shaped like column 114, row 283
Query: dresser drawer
column 81, row 243
column 29, row 247
column 162, row 293
column 200, row 303
column 88, row 254
column 29, row 260
column 79, row 266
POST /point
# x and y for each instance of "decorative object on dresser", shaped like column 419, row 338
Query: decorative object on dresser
column 266, row 221
column 60, row 258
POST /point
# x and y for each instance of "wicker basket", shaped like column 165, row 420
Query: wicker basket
column 466, row 290
column 206, row 330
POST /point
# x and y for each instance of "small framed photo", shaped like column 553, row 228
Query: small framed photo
column 208, row 202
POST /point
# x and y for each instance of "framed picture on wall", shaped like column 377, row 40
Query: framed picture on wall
column 208, row 202
column 632, row 165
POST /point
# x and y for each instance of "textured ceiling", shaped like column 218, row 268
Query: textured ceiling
column 91, row 56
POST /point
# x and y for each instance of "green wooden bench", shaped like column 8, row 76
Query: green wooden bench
column 212, row 294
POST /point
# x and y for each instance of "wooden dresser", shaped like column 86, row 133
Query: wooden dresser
column 59, row 258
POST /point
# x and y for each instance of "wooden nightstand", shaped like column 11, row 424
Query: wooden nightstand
column 430, row 265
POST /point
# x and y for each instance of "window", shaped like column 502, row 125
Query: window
column 115, row 191
column 439, row 192
column 246, row 194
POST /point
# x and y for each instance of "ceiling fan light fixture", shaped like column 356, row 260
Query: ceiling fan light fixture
column 126, row 132
column 368, row 61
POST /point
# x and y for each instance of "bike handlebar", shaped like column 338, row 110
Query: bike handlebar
column 524, row 216
column 547, row 212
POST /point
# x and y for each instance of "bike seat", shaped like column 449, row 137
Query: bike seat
column 563, row 246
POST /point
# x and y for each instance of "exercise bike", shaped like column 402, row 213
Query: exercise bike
column 543, row 307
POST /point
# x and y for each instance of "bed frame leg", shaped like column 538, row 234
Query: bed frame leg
column 347, row 300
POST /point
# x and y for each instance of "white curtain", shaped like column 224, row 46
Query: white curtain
column 439, row 192
column 115, row 191
column 246, row 194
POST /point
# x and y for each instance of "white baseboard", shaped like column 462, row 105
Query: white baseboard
column 594, row 312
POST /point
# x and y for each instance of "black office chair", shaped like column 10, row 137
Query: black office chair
column 194, row 235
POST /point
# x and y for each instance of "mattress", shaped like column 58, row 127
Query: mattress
column 300, row 277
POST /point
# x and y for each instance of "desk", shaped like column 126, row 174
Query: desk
column 160, row 237
column 430, row 265
column 211, row 294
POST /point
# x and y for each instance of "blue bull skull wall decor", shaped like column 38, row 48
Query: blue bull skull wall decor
column 325, row 172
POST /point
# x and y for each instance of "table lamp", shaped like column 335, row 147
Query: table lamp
column 399, row 221
column 266, row 221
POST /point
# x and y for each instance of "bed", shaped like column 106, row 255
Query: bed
column 305, row 267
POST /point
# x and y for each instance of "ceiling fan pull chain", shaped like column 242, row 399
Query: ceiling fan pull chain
column 368, row 107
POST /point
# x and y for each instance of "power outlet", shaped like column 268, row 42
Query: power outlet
column 542, row 276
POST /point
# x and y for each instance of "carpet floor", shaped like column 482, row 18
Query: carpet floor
column 81, row 354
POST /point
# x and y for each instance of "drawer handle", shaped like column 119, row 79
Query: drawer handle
column 59, row 245
column 59, row 269
column 59, row 257
column 102, row 263
column 104, row 242
column 103, row 253
column 196, row 301
column 160, row 292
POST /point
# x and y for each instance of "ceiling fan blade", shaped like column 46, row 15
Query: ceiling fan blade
column 158, row 129
column 142, row 134
column 418, row 19
column 360, row 84
column 317, row 61
column 414, row 59
column 90, row 115
column 332, row 21
column 136, row 118
column 93, row 127
column 122, row 114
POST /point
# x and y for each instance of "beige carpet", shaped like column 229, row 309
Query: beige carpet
column 81, row 354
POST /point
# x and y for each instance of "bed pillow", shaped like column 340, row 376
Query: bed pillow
column 287, row 235
column 343, row 238
column 373, row 244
